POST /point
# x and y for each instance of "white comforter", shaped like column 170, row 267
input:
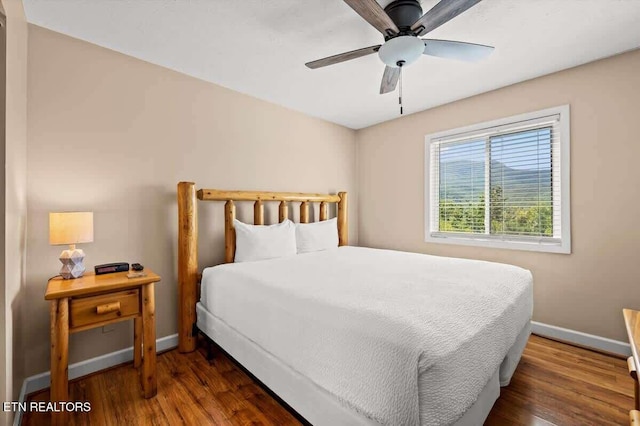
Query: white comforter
column 363, row 324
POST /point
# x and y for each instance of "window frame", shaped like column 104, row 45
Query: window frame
column 505, row 241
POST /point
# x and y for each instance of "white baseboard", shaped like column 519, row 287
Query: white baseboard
column 43, row 380
column 582, row 339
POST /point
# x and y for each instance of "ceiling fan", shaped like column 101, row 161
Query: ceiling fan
column 402, row 23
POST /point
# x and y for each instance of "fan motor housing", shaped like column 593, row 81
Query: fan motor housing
column 404, row 13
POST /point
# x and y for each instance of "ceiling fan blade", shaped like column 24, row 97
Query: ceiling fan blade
column 389, row 80
column 347, row 56
column 374, row 14
column 459, row 50
column 442, row 12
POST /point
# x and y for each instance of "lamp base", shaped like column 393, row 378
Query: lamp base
column 72, row 263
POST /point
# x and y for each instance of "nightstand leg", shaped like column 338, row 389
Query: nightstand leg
column 137, row 342
column 59, row 356
column 148, row 376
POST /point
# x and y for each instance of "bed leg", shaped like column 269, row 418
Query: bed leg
column 210, row 354
column 209, row 342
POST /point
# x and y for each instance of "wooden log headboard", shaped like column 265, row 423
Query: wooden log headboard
column 188, row 237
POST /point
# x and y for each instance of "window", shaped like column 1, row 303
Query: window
column 501, row 184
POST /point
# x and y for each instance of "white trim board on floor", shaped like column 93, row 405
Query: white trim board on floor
column 581, row 339
column 43, row 380
column 83, row 368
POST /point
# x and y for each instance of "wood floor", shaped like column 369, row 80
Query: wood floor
column 554, row 384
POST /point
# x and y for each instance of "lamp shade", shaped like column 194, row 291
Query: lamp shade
column 70, row 228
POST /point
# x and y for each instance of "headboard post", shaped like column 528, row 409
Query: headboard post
column 283, row 211
column 324, row 211
column 258, row 213
column 304, row 212
column 229, row 232
column 343, row 223
column 187, row 265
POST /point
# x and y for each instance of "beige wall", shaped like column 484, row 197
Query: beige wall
column 584, row 291
column 114, row 135
column 15, row 195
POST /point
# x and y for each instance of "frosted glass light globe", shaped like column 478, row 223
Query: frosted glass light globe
column 404, row 48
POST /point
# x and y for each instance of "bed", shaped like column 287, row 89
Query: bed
column 355, row 335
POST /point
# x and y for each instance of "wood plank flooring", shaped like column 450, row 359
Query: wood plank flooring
column 555, row 384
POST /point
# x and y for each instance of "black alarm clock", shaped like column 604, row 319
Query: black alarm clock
column 109, row 268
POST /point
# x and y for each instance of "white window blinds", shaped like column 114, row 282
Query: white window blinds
column 500, row 183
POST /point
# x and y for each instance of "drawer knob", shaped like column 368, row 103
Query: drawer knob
column 107, row 308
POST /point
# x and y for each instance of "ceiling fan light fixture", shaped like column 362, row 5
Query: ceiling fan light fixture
column 406, row 49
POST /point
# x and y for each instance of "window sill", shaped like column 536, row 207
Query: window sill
column 544, row 247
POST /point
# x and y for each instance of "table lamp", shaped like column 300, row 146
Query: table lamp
column 71, row 228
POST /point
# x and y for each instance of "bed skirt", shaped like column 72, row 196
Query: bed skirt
column 318, row 406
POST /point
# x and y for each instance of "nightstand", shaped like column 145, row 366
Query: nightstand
column 94, row 301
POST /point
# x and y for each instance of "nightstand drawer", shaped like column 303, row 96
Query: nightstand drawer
column 85, row 311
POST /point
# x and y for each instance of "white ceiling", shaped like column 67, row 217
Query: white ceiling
column 259, row 47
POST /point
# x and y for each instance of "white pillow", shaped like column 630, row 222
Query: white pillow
column 258, row 242
column 317, row 236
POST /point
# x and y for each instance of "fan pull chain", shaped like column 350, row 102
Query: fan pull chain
column 400, row 91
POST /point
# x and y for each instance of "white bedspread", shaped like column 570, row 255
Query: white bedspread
column 363, row 324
